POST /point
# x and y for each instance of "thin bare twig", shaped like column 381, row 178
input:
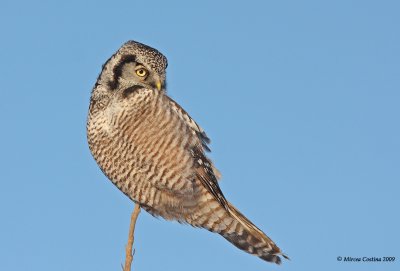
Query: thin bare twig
column 128, row 249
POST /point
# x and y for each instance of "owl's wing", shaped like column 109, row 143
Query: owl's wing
column 199, row 133
column 196, row 129
column 206, row 172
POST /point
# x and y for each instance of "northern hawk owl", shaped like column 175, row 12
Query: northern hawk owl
column 155, row 153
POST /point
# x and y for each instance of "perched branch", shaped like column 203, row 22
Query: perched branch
column 128, row 249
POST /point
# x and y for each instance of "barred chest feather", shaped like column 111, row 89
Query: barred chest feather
column 143, row 147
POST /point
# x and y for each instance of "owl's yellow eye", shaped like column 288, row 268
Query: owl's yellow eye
column 142, row 72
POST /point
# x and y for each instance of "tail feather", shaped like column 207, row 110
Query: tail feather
column 241, row 232
column 251, row 239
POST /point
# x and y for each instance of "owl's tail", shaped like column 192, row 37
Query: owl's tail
column 251, row 239
column 242, row 233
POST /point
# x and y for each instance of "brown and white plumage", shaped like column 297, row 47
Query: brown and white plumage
column 155, row 153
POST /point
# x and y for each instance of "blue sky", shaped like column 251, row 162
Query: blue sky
column 300, row 98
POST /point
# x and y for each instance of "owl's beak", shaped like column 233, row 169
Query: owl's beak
column 158, row 84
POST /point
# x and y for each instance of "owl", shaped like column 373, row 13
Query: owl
column 155, row 153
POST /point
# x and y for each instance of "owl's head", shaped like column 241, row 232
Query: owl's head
column 134, row 65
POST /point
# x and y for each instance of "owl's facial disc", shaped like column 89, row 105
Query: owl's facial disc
column 135, row 73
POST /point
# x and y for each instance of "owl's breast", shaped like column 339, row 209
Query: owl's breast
column 143, row 147
column 111, row 131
